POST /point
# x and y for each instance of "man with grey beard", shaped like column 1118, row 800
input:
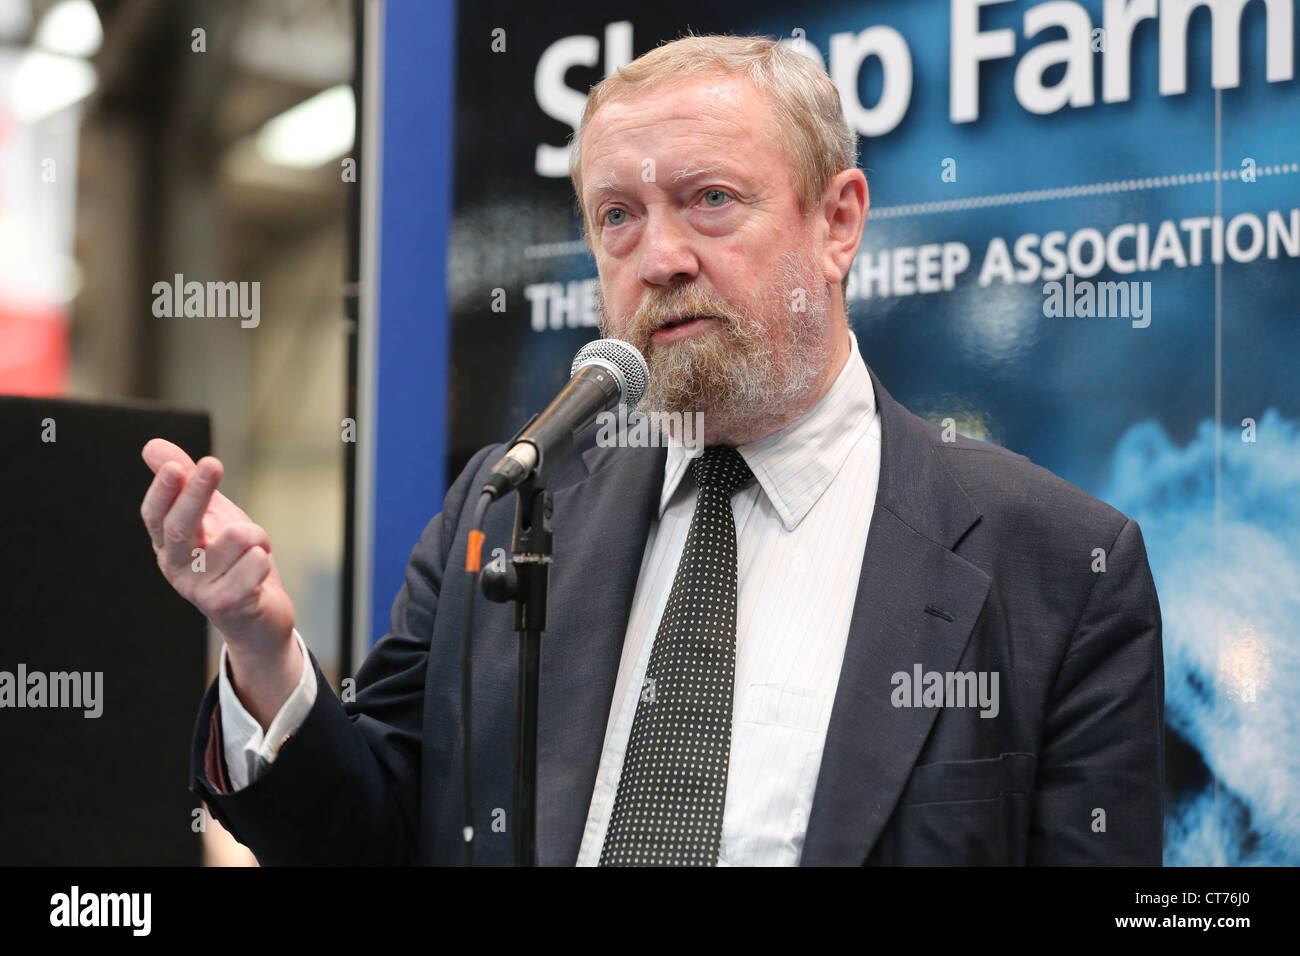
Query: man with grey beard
column 841, row 635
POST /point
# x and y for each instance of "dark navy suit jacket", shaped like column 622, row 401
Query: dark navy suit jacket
column 976, row 560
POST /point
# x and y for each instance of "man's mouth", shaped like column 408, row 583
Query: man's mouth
column 680, row 327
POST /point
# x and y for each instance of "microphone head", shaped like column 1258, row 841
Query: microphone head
column 622, row 361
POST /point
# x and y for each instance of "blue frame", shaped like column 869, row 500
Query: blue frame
column 412, row 315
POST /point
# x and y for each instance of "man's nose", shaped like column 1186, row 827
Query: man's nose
column 666, row 256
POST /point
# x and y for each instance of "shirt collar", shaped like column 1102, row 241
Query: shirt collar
column 796, row 465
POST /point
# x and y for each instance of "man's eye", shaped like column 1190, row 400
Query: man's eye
column 715, row 197
column 615, row 217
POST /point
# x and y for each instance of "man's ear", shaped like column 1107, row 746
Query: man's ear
column 844, row 208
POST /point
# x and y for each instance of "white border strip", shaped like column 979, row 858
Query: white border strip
column 368, row 338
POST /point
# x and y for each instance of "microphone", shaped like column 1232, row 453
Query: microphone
column 606, row 373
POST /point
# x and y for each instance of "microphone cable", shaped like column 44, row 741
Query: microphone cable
column 473, row 562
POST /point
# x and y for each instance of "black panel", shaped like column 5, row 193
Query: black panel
column 80, row 592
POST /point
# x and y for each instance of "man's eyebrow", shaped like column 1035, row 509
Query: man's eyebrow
column 611, row 181
column 693, row 172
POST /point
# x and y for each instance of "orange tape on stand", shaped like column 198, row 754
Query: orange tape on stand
column 474, row 556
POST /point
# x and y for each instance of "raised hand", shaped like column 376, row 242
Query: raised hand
column 220, row 561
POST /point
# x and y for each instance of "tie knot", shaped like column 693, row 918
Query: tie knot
column 720, row 467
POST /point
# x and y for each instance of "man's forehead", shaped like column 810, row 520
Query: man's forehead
column 684, row 98
column 719, row 105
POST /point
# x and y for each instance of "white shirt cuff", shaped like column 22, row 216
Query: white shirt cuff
column 248, row 751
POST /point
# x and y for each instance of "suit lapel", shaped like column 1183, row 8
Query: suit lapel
column 920, row 514
column 601, row 524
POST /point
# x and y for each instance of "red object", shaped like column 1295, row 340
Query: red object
column 33, row 349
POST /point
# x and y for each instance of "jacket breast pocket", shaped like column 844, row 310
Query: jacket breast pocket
column 963, row 813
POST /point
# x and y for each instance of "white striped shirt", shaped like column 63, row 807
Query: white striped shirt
column 801, row 530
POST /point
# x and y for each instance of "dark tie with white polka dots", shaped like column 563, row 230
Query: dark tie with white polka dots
column 671, row 792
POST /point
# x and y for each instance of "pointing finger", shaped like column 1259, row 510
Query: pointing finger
column 182, row 529
column 158, row 499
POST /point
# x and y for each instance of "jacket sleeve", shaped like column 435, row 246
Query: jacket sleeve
column 344, row 789
column 1099, row 797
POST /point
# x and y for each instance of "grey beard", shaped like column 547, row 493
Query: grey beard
column 744, row 376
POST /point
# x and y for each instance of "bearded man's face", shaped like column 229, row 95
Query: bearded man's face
column 707, row 264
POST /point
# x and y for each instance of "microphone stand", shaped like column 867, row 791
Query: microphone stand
column 524, row 580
